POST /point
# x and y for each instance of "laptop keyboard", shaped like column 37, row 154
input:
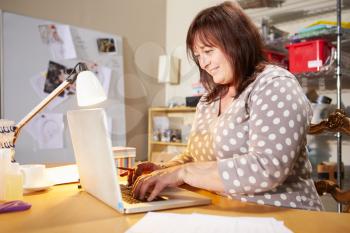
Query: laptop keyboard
column 127, row 196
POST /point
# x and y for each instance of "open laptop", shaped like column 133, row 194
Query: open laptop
column 97, row 169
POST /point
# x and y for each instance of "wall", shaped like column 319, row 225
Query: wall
column 142, row 26
column 176, row 30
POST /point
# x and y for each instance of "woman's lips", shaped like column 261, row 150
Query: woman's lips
column 212, row 71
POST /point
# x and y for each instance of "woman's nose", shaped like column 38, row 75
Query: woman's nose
column 204, row 62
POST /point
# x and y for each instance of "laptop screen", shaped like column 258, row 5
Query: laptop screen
column 94, row 157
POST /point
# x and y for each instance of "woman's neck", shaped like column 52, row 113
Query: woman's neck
column 226, row 100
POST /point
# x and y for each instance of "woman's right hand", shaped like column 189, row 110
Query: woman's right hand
column 141, row 169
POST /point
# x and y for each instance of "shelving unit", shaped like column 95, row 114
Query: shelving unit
column 339, row 87
column 179, row 118
column 340, row 77
column 333, row 77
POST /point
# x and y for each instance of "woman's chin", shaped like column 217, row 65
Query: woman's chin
column 219, row 81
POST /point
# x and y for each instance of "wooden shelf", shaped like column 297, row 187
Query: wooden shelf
column 174, row 109
column 169, row 143
column 180, row 118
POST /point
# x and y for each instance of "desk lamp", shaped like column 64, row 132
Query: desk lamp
column 88, row 90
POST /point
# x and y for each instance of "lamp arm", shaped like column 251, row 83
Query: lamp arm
column 40, row 106
column 72, row 77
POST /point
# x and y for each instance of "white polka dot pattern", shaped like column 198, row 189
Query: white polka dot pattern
column 261, row 152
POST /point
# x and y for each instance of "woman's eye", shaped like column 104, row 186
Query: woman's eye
column 208, row 51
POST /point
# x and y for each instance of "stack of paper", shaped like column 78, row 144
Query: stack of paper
column 173, row 223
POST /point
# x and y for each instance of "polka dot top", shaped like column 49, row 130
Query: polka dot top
column 259, row 142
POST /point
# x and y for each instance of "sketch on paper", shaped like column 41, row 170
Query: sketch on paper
column 47, row 129
column 59, row 39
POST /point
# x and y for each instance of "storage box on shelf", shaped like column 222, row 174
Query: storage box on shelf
column 308, row 56
column 168, row 130
column 277, row 57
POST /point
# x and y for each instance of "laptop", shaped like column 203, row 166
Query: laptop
column 97, row 169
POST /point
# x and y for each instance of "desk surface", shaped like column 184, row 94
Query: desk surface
column 64, row 208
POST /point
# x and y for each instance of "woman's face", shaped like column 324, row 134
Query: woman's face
column 214, row 62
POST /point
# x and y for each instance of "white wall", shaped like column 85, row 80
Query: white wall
column 179, row 16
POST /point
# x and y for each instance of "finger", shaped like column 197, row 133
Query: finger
column 136, row 187
column 146, row 186
column 130, row 175
column 158, row 187
column 135, row 176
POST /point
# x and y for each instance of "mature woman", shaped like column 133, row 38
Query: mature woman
column 249, row 133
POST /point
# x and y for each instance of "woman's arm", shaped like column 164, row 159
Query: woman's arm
column 203, row 175
column 200, row 174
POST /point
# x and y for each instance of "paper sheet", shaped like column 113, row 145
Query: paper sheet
column 59, row 39
column 102, row 73
column 48, row 130
column 63, row 174
column 38, row 82
column 195, row 223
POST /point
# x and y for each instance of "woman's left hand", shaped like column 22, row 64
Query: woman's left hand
column 153, row 183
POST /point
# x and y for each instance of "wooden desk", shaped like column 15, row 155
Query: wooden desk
column 65, row 209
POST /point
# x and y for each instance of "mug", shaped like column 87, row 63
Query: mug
column 34, row 175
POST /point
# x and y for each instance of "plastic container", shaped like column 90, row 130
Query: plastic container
column 5, row 161
column 277, row 57
column 308, row 56
column 13, row 183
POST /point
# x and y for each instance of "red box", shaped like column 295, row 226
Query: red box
column 308, row 56
column 276, row 57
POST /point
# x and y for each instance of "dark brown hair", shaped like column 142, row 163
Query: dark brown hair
column 227, row 27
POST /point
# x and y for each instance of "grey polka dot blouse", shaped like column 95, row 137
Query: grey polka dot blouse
column 259, row 142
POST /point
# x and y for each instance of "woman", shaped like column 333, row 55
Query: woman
column 249, row 133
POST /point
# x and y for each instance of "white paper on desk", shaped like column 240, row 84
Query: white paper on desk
column 63, row 174
column 225, row 224
column 195, row 223
column 162, row 222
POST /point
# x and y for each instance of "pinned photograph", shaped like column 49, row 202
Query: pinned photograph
column 106, row 45
column 56, row 74
column 37, row 82
column 48, row 130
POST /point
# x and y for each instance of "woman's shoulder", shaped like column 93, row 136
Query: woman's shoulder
column 274, row 71
column 276, row 76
